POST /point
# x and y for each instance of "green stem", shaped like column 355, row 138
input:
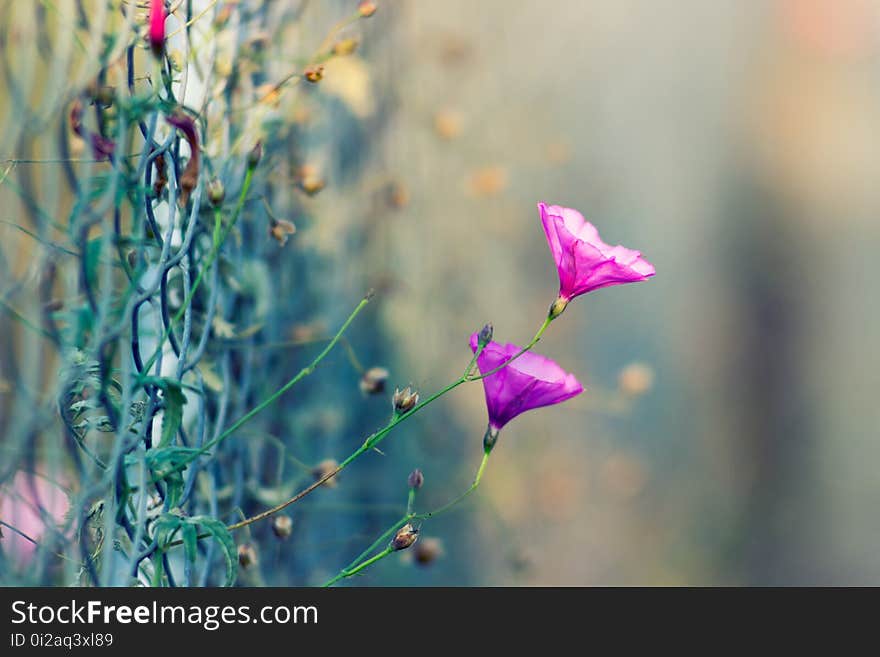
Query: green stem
column 268, row 401
column 457, row 500
column 531, row 344
column 380, row 435
column 219, row 237
column 354, row 571
column 304, row 372
column 356, row 565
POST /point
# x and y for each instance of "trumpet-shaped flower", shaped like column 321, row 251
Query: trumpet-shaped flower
column 527, row 382
column 584, row 262
column 156, row 34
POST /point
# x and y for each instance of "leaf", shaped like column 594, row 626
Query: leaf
column 212, row 379
column 165, row 462
column 165, row 528
column 218, row 530
column 190, row 541
column 172, row 416
column 190, row 536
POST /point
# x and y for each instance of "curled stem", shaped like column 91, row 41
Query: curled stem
column 219, row 237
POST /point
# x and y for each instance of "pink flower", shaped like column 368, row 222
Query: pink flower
column 20, row 501
column 528, row 382
column 584, row 262
column 157, row 26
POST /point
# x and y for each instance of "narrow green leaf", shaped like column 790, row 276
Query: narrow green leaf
column 218, row 530
column 172, row 416
column 190, row 541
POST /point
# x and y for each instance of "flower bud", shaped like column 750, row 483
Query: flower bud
column 76, row 115
column 314, row 73
column 404, row 537
column 447, row 124
column 281, row 229
column 310, row 182
column 404, row 400
column 635, row 379
column 156, row 34
column 282, row 526
column 103, row 96
column 216, row 192
column 396, row 195
column 373, row 381
column 485, row 335
column 415, row 479
column 490, row 438
column 102, row 147
column 255, row 155
column 323, row 469
column 247, row 555
column 427, row 551
column 345, row 47
column 367, row 8
column 558, row 307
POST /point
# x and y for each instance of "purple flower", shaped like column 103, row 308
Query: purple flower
column 584, row 262
column 528, row 382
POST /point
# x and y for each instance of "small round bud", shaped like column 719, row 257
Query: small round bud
column 103, row 96
column 396, row 195
column 485, row 336
column 255, row 155
column 247, row 555
column 76, row 116
column 427, row 551
column 373, row 381
column 280, row 230
column 448, row 124
column 404, row 537
column 323, row 469
column 345, row 47
column 367, row 8
column 282, row 526
column 216, row 192
column 490, row 438
column 415, row 479
column 404, row 400
column 635, row 379
column 558, row 307
column 312, row 184
column 314, row 73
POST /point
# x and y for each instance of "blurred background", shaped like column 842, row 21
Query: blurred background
column 728, row 434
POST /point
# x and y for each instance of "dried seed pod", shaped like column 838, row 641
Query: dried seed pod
column 314, row 73
column 247, row 555
column 405, row 536
column 323, row 469
column 281, row 229
column 635, row 379
column 404, row 400
column 216, row 192
column 345, row 47
column 427, row 551
column 373, row 381
column 282, row 526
